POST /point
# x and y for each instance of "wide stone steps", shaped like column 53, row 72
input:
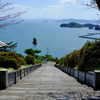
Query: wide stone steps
column 48, row 83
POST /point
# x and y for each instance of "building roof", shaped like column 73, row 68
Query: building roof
column 2, row 44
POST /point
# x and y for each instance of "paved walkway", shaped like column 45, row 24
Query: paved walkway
column 49, row 83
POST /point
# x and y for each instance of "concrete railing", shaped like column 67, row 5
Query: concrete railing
column 89, row 78
column 9, row 78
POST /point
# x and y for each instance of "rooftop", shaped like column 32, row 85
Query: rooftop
column 2, row 44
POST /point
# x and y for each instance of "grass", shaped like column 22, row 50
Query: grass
column 22, row 66
column 76, row 67
column 9, row 69
column 97, row 69
column 1, row 68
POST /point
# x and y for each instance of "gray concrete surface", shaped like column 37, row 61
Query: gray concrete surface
column 49, row 83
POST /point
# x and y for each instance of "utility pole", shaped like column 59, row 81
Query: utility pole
column 47, row 50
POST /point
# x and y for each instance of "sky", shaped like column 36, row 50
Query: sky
column 56, row 9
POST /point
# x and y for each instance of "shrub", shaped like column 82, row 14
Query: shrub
column 22, row 61
column 90, row 59
column 86, row 59
column 9, row 59
column 30, row 59
column 38, row 61
column 71, row 60
column 36, row 56
column 12, row 63
column 58, row 61
column 20, row 55
column 2, row 61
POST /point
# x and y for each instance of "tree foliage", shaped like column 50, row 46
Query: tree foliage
column 87, row 58
column 31, row 51
column 30, row 59
column 11, row 47
column 47, row 57
column 9, row 59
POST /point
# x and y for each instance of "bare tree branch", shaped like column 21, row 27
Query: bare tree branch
column 91, row 4
column 5, row 7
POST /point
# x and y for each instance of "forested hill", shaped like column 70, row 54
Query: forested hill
column 77, row 25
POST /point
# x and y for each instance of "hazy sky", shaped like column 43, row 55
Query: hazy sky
column 58, row 9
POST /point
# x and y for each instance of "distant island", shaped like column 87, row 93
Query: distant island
column 77, row 25
column 45, row 21
column 34, row 41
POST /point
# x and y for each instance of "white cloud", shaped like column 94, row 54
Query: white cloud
column 50, row 11
column 20, row 7
column 66, row 1
column 53, row 8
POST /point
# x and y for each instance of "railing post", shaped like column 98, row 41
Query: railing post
column 85, row 78
column 78, row 75
column 96, row 83
column 74, row 71
column 24, row 72
column 3, row 79
column 21, row 74
column 66, row 69
column 27, row 71
column 15, row 77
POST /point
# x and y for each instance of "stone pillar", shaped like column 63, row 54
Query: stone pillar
column 3, row 79
column 96, row 83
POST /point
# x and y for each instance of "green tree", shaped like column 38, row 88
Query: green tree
column 48, row 57
column 10, row 48
column 31, row 51
column 37, row 51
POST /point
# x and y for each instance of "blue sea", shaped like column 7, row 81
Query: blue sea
column 60, row 41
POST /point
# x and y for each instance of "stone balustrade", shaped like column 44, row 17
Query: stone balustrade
column 89, row 78
column 9, row 78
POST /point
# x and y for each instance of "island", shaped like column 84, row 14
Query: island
column 71, row 25
column 97, row 27
column 77, row 25
column 34, row 41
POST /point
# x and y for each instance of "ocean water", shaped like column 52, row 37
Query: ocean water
column 60, row 41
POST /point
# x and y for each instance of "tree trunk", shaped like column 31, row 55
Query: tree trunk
column 98, row 3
